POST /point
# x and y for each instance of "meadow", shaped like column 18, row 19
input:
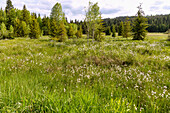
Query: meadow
column 80, row 75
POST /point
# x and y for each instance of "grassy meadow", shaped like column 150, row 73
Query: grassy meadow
column 118, row 75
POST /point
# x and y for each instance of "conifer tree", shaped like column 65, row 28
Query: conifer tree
column 24, row 29
column 4, row 32
column 57, row 13
column 113, row 31
column 62, row 33
column 127, row 28
column 11, row 32
column 121, row 29
column 39, row 20
column 54, row 28
column 17, row 28
column 140, row 25
column 34, row 29
column 26, row 15
column 2, row 16
column 9, row 6
column 99, row 35
column 79, row 32
column 70, row 32
column 108, row 31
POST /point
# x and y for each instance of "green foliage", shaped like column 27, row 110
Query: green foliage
column 108, row 31
column 121, row 29
column 26, row 15
column 9, row 6
column 127, row 28
column 57, row 13
column 140, row 25
column 113, row 31
column 79, row 33
column 17, row 28
column 70, row 32
column 54, row 28
column 2, row 16
column 11, row 32
column 4, row 32
column 62, row 32
column 25, row 30
column 34, row 29
column 46, row 25
column 10, row 18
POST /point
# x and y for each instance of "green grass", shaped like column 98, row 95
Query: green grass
column 117, row 75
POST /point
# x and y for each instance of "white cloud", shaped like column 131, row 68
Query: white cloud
column 74, row 9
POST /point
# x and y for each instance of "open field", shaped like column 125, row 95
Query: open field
column 117, row 75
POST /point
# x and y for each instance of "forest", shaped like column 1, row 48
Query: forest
column 49, row 64
column 157, row 23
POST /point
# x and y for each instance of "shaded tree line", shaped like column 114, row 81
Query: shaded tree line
column 158, row 23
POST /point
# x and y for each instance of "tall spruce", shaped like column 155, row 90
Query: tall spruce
column 121, row 29
column 26, row 15
column 62, row 33
column 34, row 29
column 11, row 32
column 9, row 6
column 3, row 32
column 127, row 28
column 99, row 35
column 140, row 25
column 113, row 31
column 57, row 13
column 54, row 28
column 17, row 28
column 108, row 31
column 70, row 32
column 24, row 29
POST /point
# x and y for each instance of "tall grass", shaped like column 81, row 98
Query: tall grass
column 117, row 75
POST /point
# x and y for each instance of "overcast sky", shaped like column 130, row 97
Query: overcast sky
column 74, row 9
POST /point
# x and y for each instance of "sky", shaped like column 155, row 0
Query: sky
column 75, row 9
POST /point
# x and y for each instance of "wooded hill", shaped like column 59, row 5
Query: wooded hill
column 157, row 23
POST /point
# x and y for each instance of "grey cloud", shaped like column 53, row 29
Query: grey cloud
column 109, row 11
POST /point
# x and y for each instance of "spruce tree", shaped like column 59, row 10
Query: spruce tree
column 26, row 15
column 140, row 25
column 4, row 32
column 127, row 28
column 70, row 32
column 79, row 32
column 17, row 28
column 62, row 33
column 99, row 35
column 34, row 29
column 54, row 28
column 9, row 6
column 24, row 29
column 57, row 13
column 11, row 32
column 108, row 31
column 121, row 29
column 113, row 31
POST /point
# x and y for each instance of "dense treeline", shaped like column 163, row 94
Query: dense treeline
column 158, row 23
column 22, row 23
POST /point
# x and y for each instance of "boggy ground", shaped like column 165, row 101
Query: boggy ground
column 117, row 75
